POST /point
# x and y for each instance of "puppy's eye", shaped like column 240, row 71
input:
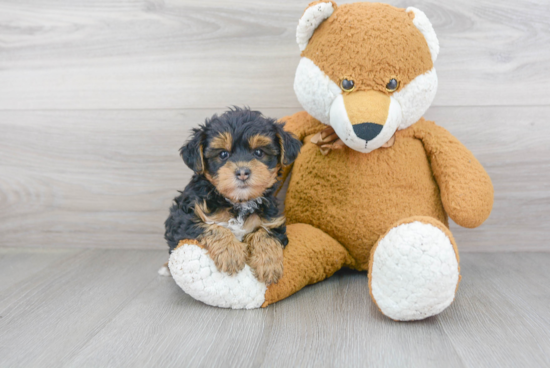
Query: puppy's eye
column 259, row 153
column 392, row 85
column 224, row 155
column 347, row 85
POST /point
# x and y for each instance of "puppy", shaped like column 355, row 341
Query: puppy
column 229, row 206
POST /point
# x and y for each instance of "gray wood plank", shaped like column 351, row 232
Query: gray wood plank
column 108, row 308
column 50, row 316
column 496, row 320
column 500, row 316
column 329, row 324
column 335, row 323
column 165, row 327
column 106, row 178
column 18, row 264
column 184, row 53
column 524, row 279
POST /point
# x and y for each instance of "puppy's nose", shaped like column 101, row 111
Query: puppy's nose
column 367, row 131
column 242, row 173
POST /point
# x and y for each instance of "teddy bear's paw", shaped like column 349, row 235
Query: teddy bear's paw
column 195, row 272
column 414, row 273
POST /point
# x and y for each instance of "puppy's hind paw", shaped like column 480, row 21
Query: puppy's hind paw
column 164, row 270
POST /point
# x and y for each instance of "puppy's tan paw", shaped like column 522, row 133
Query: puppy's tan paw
column 228, row 253
column 265, row 257
column 267, row 272
column 229, row 257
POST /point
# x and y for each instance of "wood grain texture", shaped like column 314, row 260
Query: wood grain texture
column 505, row 296
column 17, row 265
column 61, row 54
column 106, row 178
column 335, row 323
column 51, row 315
column 93, row 311
column 165, row 327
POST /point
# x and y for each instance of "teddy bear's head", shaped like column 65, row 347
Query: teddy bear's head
column 367, row 69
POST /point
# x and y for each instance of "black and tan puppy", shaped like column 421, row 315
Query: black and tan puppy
column 229, row 206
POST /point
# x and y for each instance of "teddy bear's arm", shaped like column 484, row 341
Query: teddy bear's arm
column 466, row 188
column 301, row 124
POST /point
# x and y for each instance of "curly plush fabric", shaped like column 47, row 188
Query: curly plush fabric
column 310, row 257
column 315, row 90
column 425, row 26
column 370, row 43
column 195, row 272
column 316, row 13
column 466, row 189
column 414, row 272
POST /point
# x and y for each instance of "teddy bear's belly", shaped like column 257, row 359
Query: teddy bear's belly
column 356, row 197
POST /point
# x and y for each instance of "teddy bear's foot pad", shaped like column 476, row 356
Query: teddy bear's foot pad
column 195, row 272
column 414, row 273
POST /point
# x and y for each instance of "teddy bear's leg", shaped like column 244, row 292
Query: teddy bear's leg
column 310, row 256
column 413, row 269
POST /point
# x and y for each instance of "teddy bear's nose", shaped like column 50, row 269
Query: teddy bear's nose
column 367, row 131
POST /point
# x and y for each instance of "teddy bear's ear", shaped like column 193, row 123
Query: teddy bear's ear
column 420, row 20
column 314, row 15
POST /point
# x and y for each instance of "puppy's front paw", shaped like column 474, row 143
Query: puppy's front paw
column 265, row 257
column 229, row 256
column 268, row 271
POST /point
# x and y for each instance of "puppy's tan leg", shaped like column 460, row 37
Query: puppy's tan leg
column 228, row 253
column 265, row 256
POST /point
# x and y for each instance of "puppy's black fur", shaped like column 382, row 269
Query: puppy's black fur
column 241, row 124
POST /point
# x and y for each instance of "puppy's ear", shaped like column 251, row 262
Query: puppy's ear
column 192, row 151
column 290, row 146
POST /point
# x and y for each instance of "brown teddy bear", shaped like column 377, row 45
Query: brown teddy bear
column 374, row 184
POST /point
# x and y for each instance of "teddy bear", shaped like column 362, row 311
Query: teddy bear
column 375, row 183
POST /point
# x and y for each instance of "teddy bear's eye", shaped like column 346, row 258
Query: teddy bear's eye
column 347, row 85
column 392, row 85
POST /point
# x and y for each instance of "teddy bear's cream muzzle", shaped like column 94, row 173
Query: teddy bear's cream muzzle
column 365, row 120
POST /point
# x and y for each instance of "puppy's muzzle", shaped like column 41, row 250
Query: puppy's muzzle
column 242, row 173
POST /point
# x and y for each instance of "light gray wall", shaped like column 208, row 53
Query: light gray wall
column 96, row 97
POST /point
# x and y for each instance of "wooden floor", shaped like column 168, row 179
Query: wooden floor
column 109, row 308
